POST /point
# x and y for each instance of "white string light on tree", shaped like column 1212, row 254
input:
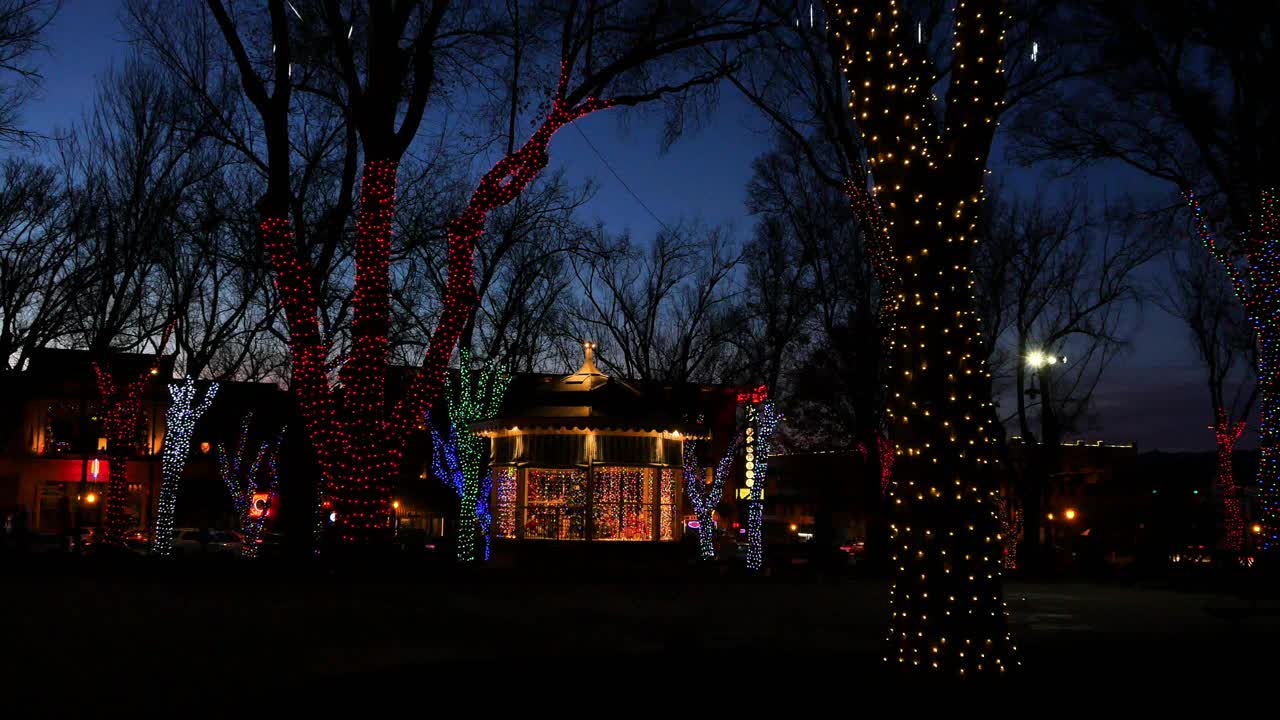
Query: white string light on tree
column 180, row 424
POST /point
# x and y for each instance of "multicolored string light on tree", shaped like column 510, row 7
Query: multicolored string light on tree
column 1253, row 265
column 180, row 424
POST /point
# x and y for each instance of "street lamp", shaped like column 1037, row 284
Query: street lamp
column 1038, row 359
column 1070, row 514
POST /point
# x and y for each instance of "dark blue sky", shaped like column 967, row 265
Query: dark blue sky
column 1154, row 395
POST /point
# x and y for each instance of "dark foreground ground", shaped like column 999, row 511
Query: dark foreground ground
column 197, row 641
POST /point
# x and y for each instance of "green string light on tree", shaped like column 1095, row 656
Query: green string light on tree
column 476, row 397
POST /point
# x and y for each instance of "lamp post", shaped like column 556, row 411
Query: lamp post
column 1043, row 457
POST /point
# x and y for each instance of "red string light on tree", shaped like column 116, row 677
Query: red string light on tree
column 1227, row 432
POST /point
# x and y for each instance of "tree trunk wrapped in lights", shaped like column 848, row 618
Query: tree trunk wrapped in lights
column 122, row 418
column 1253, row 264
column 703, row 497
column 762, row 418
column 1227, row 431
column 253, row 488
column 458, row 459
column 948, row 610
column 180, row 423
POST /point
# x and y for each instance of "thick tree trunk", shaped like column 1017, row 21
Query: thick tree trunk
column 371, row 443
column 948, row 608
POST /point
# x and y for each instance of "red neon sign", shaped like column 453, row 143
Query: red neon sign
column 756, row 395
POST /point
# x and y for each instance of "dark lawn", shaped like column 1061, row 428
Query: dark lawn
column 82, row 635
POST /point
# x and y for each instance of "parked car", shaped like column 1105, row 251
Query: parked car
column 228, row 542
column 188, row 541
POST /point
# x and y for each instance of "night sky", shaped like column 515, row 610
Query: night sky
column 1154, row 395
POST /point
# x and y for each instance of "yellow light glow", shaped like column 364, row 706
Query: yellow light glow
column 1050, row 516
column 91, row 498
column 1070, row 514
column 1257, row 529
column 395, row 504
column 794, row 527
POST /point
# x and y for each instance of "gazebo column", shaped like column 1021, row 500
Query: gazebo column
column 589, row 524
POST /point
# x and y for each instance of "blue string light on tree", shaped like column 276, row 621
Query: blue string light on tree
column 252, row 495
column 180, row 424
column 703, row 497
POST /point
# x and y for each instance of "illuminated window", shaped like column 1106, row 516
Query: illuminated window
column 504, row 502
column 555, row 504
column 622, row 503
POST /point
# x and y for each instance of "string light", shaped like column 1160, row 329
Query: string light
column 252, row 495
column 122, row 420
column 459, row 460
column 359, row 446
column 180, row 424
column 761, row 420
column 920, row 219
column 1257, row 287
column 1010, row 532
column 703, row 497
column 1226, row 433
column 499, row 186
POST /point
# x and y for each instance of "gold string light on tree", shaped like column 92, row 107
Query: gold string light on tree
column 948, row 611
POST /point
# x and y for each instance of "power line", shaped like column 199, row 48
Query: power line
column 618, row 177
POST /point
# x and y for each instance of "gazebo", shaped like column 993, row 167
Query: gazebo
column 587, row 457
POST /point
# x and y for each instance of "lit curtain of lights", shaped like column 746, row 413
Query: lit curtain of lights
column 500, row 185
column 1227, row 431
column 504, row 514
column 1253, row 264
column 252, row 489
column 122, row 404
column 761, row 420
column 705, row 498
column 180, row 424
column 459, row 461
column 948, row 611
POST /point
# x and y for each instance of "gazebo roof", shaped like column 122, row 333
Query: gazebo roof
column 586, row 400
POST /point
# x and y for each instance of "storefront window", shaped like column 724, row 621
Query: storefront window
column 555, row 504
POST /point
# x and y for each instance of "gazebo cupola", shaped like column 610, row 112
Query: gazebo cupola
column 586, row 457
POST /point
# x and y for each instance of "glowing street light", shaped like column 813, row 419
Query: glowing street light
column 1038, row 359
column 1257, row 529
column 1070, row 514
